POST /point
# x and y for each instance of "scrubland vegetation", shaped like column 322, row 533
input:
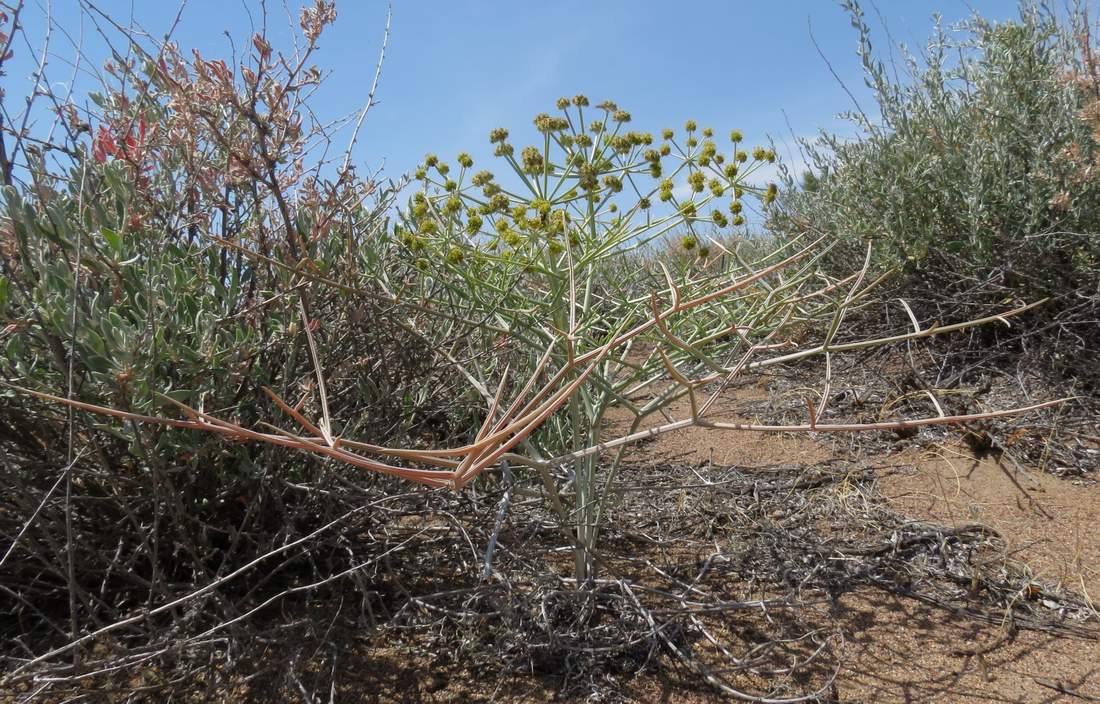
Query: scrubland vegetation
column 267, row 422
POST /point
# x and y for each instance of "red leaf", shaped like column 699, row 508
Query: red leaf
column 103, row 144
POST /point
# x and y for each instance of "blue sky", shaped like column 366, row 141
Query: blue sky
column 455, row 70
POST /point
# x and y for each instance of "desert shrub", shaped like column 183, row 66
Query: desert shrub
column 165, row 248
column 974, row 178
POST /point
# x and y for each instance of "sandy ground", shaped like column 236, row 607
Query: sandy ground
column 895, row 649
column 901, row 650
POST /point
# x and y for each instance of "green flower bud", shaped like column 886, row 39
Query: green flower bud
column 595, row 126
column 688, row 242
column 704, row 252
column 455, row 255
column 532, row 160
column 608, row 105
column 738, row 220
column 665, row 149
column 697, row 181
column 498, row 135
column 758, row 153
column 719, row 218
column 621, row 144
column 621, row 116
column 708, row 132
column 666, row 133
column 644, row 204
column 741, row 156
column 587, row 177
column 735, row 206
column 692, row 141
column 736, row 136
column 716, row 187
column 431, row 160
column 465, row 160
column 580, row 101
column 689, row 126
column 481, row 178
column 731, row 170
column 563, row 103
column 504, row 149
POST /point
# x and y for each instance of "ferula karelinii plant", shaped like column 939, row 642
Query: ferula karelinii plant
column 532, row 252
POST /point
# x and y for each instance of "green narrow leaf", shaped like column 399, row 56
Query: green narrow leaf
column 114, row 240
